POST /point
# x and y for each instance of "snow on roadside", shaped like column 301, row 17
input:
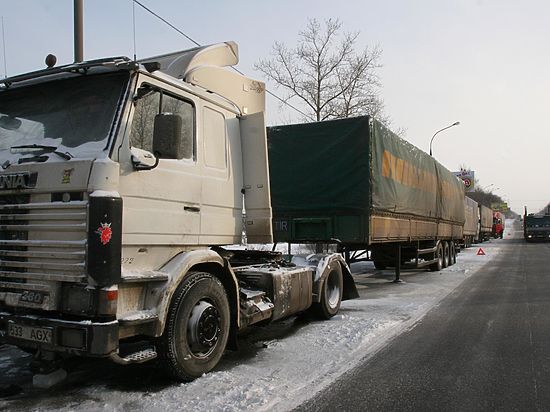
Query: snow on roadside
column 284, row 364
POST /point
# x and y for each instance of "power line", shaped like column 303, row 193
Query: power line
column 198, row 44
column 166, row 22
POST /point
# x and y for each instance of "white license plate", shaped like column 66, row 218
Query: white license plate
column 43, row 335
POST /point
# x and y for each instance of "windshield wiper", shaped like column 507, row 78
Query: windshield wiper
column 44, row 149
column 32, row 159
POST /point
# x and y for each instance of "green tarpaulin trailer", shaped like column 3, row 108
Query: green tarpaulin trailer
column 355, row 183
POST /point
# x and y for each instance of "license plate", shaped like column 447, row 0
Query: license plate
column 32, row 296
column 42, row 335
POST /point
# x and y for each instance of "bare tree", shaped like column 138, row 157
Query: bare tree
column 326, row 74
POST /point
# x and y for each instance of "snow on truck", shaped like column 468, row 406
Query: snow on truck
column 353, row 183
column 121, row 181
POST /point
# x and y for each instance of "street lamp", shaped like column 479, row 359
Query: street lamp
column 445, row 128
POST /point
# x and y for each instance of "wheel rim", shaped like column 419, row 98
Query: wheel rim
column 203, row 329
column 333, row 289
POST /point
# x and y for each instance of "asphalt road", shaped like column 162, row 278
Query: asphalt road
column 486, row 347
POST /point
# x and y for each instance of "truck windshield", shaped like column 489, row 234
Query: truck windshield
column 73, row 114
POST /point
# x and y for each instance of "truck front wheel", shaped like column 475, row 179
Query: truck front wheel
column 331, row 294
column 197, row 327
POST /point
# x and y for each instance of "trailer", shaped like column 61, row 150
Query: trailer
column 485, row 223
column 471, row 222
column 121, row 183
column 355, row 184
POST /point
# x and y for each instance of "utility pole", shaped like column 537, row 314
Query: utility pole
column 78, row 31
column 4, row 49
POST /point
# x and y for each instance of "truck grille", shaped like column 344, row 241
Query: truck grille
column 41, row 241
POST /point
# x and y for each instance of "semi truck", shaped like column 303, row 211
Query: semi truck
column 471, row 222
column 499, row 222
column 354, row 184
column 536, row 226
column 121, row 183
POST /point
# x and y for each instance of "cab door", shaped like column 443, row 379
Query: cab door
column 162, row 206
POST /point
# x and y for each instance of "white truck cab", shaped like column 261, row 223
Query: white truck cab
column 120, row 183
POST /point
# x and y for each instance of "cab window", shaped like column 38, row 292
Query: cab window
column 151, row 102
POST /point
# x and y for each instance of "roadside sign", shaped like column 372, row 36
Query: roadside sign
column 467, row 177
column 499, row 206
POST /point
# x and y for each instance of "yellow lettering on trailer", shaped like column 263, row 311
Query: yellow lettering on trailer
column 407, row 174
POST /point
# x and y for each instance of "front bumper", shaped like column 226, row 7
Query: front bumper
column 84, row 338
column 540, row 236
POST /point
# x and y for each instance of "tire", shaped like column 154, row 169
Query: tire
column 437, row 266
column 379, row 265
column 197, row 327
column 331, row 294
column 446, row 255
column 452, row 248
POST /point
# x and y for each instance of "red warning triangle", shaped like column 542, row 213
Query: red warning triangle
column 480, row 252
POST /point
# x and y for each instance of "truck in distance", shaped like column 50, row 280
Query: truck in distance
column 485, row 223
column 536, row 226
column 471, row 222
column 499, row 222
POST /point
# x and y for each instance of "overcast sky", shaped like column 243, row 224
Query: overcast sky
column 484, row 63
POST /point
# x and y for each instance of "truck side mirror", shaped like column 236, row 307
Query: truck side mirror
column 167, row 136
column 143, row 160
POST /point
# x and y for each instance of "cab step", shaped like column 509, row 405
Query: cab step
column 141, row 356
column 147, row 276
column 138, row 318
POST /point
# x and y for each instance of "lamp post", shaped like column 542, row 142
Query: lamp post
column 440, row 130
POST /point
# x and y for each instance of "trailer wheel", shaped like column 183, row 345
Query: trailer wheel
column 197, row 327
column 446, row 255
column 437, row 266
column 452, row 248
column 331, row 294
